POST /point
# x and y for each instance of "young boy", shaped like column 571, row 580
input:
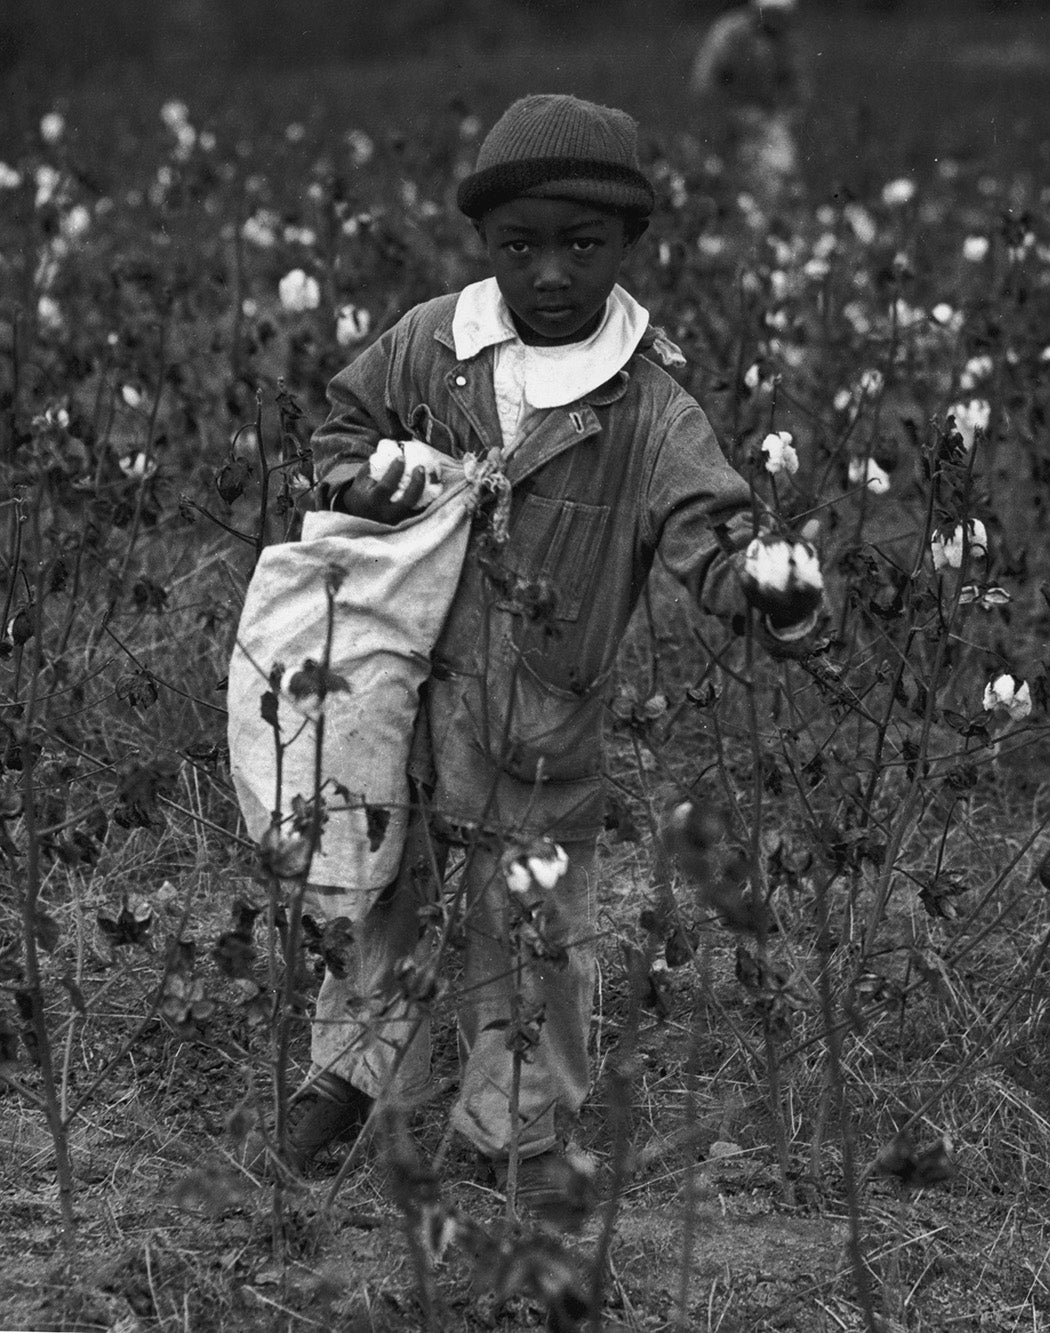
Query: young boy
column 609, row 461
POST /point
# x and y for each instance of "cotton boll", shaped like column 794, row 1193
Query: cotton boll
column 862, row 223
column 519, row 881
column 75, row 223
column 977, row 368
column 47, row 181
column 52, row 127
column 777, row 565
column 136, row 467
column 899, row 191
column 174, row 114
column 352, row 324
column 49, row 312
column 971, row 417
column 534, row 869
column 415, row 454
column 259, row 229
column 866, row 472
column 1008, row 692
column 361, row 147
column 298, row 291
column 780, row 454
column 947, row 548
column 386, row 453
column 782, row 579
column 548, row 870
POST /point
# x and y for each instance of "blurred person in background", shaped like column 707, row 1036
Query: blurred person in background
column 750, row 75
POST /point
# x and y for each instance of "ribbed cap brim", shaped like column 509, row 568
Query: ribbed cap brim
column 600, row 183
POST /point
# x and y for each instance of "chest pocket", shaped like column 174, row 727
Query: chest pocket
column 425, row 426
column 557, row 541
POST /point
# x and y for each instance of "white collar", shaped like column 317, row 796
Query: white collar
column 554, row 376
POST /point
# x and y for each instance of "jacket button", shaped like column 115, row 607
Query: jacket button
column 461, row 380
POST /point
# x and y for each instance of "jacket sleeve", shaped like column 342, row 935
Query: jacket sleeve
column 698, row 509
column 360, row 413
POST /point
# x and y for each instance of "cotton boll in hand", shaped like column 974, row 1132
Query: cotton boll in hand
column 782, row 579
column 387, row 452
column 415, row 454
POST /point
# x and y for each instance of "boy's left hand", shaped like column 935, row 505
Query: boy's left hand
column 367, row 497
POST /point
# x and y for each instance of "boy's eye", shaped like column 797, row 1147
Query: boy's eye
column 517, row 247
column 583, row 245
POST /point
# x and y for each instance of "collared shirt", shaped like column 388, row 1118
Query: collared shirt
column 527, row 378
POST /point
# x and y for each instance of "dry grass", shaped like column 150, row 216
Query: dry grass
column 175, row 1233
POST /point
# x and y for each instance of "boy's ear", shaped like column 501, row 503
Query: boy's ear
column 479, row 226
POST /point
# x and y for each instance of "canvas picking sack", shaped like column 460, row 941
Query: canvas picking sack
column 395, row 586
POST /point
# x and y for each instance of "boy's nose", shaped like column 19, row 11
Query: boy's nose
column 549, row 274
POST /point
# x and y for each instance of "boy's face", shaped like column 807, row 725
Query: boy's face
column 556, row 262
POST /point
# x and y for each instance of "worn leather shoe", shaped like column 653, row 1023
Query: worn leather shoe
column 325, row 1111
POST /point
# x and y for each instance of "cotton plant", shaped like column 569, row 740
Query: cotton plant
column 532, row 872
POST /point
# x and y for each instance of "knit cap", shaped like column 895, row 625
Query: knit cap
column 554, row 146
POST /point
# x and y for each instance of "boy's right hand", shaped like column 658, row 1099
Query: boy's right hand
column 365, row 497
column 782, row 579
